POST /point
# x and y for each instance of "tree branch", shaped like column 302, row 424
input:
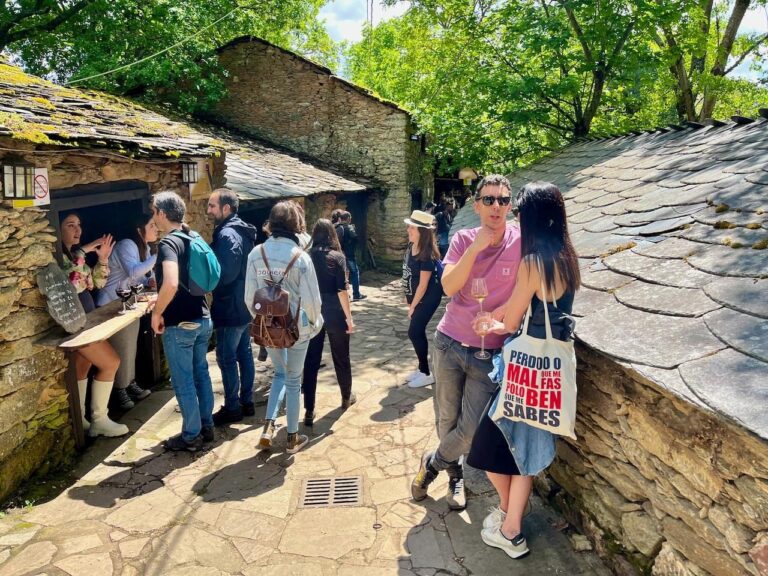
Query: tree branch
column 578, row 31
column 10, row 37
column 746, row 53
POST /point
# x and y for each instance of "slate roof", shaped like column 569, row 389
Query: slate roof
column 672, row 234
column 258, row 171
column 38, row 111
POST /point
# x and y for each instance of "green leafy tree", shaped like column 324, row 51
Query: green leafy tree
column 123, row 37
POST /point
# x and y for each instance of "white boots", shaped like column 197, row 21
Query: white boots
column 101, row 425
column 82, row 386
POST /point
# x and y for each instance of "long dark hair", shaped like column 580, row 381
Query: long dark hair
column 137, row 233
column 427, row 245
column 544, row 233
column 63, row 216
column 324, row 235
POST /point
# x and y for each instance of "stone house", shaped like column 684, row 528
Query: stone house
column 103, row 156
column 285, row 99
column 669, row 474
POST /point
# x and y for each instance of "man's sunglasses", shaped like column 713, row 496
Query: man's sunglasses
column 489, row 200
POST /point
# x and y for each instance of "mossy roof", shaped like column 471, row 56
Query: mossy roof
column 38, row 111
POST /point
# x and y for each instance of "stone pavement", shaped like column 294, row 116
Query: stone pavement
column 233, row 510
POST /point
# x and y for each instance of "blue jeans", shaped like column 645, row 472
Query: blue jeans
column 233, row 350
column 289, row 366
column 185, row 350
column 354, row 277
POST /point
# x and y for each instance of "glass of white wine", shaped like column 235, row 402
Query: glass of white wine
column 479, row 290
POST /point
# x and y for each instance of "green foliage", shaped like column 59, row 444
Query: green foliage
column 498, row 83
column 108, row 34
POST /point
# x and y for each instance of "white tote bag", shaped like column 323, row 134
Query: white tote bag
column 539, row 382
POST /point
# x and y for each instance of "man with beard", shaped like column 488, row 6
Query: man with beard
column 233, row 240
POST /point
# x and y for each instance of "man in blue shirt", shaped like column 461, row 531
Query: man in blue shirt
column 233, row 240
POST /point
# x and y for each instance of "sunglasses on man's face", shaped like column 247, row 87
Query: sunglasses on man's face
column 489, row 200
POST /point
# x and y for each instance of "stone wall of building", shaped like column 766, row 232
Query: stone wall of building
column 35, row 430
column 287, row 100
column 660, row 486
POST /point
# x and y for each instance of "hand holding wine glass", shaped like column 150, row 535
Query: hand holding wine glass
column 483, row 323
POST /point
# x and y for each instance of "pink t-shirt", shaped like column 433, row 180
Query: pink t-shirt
column 498, row 265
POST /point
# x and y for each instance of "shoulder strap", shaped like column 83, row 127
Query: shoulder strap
column 287, row 268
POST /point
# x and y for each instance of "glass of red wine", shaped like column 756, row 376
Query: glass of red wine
column 125, row 295
column 136, row 289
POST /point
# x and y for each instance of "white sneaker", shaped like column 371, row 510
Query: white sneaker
column 514, row 548
column 413, row 375
column 495, row 519
column 421, row 381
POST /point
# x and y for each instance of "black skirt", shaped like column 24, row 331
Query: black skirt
column 490, row 451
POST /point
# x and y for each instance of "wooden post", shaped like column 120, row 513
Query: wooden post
column 70, row 379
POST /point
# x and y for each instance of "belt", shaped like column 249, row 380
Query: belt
column 491, row 351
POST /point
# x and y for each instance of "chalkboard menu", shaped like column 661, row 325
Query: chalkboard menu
column 63, row 304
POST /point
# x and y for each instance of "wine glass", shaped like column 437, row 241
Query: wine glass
column 125, row 295
column 136, row 289
column 479, row 290
column 484, row 323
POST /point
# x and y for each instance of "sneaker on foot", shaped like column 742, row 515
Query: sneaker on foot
column 123, row 400
column 424, row 477
column 347, row 402
column 265, row 442
column 208, row 434
column 178, row 444
column 421, row 381
column 514, row 548
column 137, row 392
column 495, row 518
column 455, row 496
column 358, row 298
column 295, row 442
column 413, row 375
column 224, row 416
column 248, row 409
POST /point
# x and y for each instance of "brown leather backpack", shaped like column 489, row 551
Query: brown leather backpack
column 273, row 326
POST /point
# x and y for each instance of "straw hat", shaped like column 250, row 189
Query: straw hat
column 420, row 219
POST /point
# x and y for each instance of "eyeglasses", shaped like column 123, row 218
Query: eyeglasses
column 489, row 200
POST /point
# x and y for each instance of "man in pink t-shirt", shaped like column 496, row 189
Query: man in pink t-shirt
column 462, row 385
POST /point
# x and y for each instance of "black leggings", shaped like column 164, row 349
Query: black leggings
column 340, row 354
column 417, row 330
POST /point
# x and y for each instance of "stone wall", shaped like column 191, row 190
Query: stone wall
column 35, row 431
column 660, row 486
column 287, row 100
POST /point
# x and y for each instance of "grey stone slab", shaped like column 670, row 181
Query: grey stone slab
column 585, row 216
column 665, row 272
column 647, row 338
column 640, row 189
column 737, row 237
column 742, row 294
column 591, row 245
column 672, row 248
column 725, row 261
column 746, row 196
column 742, row 167
column 590, row 301
column 606, row 200
column 604, row 280
column 713, row 217
column 663, row 213
column 615, row 209
column 732, row 384
column 757, row 177
column 670, row 380
column 730, row 181
column 61, row 297
column 654, row 228
column 590, row 195
column 669, row 300
column 600, row 225
column 668, row 197
column 746, row 333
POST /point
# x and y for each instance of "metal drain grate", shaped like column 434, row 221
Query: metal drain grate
column 331, row 492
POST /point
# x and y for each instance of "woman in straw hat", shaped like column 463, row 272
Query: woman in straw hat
column 423, row 291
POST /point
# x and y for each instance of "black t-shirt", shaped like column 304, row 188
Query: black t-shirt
column 331, row 270
column 412, row 269
column 184, row 307
column 443, row 222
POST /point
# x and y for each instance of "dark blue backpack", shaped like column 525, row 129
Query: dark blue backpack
column 439, row 267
